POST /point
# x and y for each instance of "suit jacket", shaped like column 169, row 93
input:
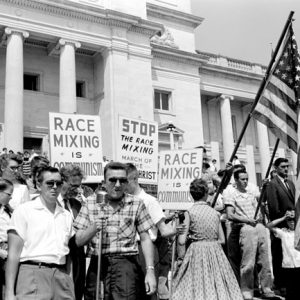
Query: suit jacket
column 279, row 198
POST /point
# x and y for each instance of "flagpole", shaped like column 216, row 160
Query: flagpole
column 258, row 95
column 262, row 194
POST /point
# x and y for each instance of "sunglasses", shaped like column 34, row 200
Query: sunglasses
column 51, row 183
column 122, row 180
column 14, row 168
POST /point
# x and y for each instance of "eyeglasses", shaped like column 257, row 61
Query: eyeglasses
column 14, row 168
column 51, row 183
column 122, row 180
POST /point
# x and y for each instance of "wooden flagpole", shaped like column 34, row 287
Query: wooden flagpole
column 225, row 178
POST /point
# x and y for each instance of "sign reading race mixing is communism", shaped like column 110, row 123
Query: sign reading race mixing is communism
column 138, row 144
column 177, row 169
column 76, row 139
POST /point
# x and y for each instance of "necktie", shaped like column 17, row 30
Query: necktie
column 287, row 186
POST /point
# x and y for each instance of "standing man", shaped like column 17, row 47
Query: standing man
column 241, row 206
column 280, row 193
column 72, row 198
column 38, row 245
column 158, row 218
column 125, row 216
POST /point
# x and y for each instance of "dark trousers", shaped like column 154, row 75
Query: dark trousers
column 2, row 277
column 122, row 277
column 276, row 249
column 292, row 276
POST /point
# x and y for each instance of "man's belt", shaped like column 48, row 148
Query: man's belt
column 42, row 264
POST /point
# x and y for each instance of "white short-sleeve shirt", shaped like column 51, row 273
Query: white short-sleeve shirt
column 291, row 256
column 154, row 210
column 46, row 235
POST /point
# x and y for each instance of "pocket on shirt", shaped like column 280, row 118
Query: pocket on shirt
column 126, row 228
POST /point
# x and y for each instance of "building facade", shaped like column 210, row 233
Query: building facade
column 133, row 58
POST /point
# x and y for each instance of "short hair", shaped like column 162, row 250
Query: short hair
column 5, row 158
column 239, row 166
column 131, row 168
column 280, row 160
column 26, row 152
column 214, row 160
column 237, row 173
column 198, row 189
column 42, row 170
column 114, row 165
column 69, row 171
column 36, row 163
column 4, row 184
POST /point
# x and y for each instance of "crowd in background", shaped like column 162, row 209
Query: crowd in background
column 257, row 247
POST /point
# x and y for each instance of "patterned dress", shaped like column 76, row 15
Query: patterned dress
column 205, row 273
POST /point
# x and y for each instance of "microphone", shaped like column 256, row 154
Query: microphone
column 101, row 196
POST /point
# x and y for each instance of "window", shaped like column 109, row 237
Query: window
column 32, row 82
column 80, row 89
column 162, row 100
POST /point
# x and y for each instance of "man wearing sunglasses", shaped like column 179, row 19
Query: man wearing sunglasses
column 38, row 239
column 124, row 215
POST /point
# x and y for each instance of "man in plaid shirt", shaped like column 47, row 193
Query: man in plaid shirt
column 241, row 205
column 123, row 215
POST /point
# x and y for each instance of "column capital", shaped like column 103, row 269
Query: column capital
column 23, row 33
column 63, row 42
column 224, row 96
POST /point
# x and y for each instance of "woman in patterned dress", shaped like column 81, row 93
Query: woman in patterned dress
column 204, row 272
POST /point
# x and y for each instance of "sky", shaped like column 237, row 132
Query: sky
column 244, row 29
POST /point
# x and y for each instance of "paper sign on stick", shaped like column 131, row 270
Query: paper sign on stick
column 138, row 144
column 177, row 169
column 76, row 139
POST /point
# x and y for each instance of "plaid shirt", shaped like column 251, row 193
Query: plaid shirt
column 119, row 236
column 244, row 203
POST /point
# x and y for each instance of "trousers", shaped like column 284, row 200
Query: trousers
column 122, row 276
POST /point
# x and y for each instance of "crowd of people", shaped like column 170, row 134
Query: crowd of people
column 53, row 230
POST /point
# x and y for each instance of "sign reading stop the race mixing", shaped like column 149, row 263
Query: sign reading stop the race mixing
column 76, row 139
column 138, row 144
column 177, row 169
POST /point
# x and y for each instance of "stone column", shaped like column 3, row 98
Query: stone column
column 226, row 123
column 264, row 147
column 251, row 164
column 67, row 76
column 14, row 86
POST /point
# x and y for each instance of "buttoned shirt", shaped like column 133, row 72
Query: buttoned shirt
column 45, row 234
column 244, row 203
column 122, row 224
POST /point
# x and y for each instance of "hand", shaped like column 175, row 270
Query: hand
column 290, row 214
column 180, row 229
column 229, row 166
column 100, row 224
column 150, row 282
column 3, row 254
column 265, row 182
column 252, row 222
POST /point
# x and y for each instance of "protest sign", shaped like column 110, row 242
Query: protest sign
column 76, row 139
column 177, row 169
column 138, row 144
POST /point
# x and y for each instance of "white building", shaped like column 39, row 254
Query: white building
column 136, row 58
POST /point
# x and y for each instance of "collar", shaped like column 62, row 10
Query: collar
column 39, row 205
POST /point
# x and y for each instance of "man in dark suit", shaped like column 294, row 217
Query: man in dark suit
column 280, row 193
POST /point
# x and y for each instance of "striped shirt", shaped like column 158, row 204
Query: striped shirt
column 244, row 203
column 119, row 236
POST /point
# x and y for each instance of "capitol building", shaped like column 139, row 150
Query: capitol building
column 132, row 58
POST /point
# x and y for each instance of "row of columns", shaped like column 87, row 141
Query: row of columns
column 14, row 85
column 228, row 142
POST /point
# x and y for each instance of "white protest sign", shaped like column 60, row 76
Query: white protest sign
column 177, row 169
column 76, row 139
column 138, row 144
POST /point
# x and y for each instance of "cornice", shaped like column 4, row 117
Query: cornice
column 80, row 11
column 173, row 15
column 177, row 55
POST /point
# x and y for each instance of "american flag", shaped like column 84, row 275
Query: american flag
column 278, row 106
